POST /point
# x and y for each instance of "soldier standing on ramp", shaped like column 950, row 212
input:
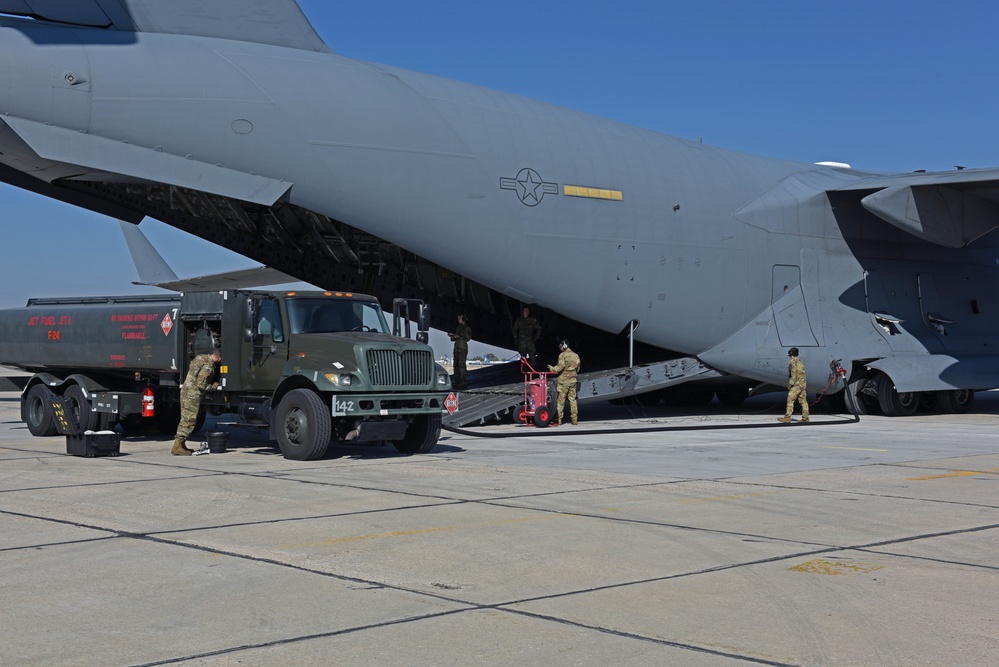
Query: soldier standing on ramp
column 795, row 387
column 567, row 368
column 461, row 336
column 199, row 374
column 525, row 333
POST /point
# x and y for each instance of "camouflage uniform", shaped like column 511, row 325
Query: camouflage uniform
column 461, row 336
column 525, row 332
column 796, row 389
column 199, row 374
column 567, row 368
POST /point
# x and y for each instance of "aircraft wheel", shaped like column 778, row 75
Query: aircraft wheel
column 421, row 436
column 650, row 398
column 927, row 401
column 957, row 401
column 36, row 411
column 85, row 414
column 732, row 396
column 862, row 395
column 303, row 424
column 542, row 416
column 684, row 396
column 893, row 402
column 835, row 403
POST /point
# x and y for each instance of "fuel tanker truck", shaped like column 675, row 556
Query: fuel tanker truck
column 315, row 367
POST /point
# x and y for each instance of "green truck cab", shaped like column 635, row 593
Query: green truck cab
column 317, row 368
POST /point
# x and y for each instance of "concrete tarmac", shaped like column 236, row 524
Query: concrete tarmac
column 832, row 543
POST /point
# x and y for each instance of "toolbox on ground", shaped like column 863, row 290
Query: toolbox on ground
column 79, row 442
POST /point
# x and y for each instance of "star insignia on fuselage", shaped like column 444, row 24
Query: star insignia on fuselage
column 529, row 186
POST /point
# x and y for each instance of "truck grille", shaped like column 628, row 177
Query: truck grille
column 388, row 368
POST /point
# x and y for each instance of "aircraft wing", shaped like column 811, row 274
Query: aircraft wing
column 276, row 22
column 950, row 209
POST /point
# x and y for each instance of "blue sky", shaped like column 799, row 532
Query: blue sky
column 884, row 86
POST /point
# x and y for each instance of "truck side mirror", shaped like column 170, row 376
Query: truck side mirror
column 248, row 315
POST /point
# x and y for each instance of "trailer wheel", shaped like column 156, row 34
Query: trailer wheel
column 303, row 424
column 81, row 406
column 542, row 416
column 421, row 436
column 37, row 411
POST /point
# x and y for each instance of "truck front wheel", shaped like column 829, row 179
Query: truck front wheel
column 37, row 411
column 421, row 436
column 303, row 424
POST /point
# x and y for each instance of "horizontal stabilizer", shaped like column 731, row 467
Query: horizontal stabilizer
column 60, row 144
column 951, row 209
column 276, row 22
column 261, row 276
column 155, row 272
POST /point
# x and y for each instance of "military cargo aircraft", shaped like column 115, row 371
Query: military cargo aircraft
column 234, row 121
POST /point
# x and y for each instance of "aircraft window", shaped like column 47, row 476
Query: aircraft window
column 328, row 316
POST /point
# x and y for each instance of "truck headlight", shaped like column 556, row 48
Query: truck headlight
column 443, row 380
column 339, row 379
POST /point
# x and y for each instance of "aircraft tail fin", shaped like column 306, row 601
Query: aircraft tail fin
column 155, row 272
column 150, row 264
column 277, row 22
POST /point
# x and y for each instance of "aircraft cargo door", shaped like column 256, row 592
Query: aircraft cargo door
column 789, row 311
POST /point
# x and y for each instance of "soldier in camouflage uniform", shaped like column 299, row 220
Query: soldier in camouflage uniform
column 795, row 387
column 461, row 336
column 199, row 375
column 567, row 368
column 525, row 332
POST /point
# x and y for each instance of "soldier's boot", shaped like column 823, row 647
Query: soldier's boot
column 784, row 420
column 805, row 419
column 179, row 449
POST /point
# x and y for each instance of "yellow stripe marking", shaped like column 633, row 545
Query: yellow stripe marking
column 592, row 193
column 421, row 531
column 857, row 449
column 835, row 567
column 956, row 473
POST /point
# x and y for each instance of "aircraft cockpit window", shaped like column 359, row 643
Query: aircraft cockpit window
column 309, row 315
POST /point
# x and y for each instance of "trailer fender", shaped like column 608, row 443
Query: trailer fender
column 49, row 380
column 89, row 385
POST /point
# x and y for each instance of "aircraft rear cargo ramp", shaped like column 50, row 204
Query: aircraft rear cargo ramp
column 495, row 401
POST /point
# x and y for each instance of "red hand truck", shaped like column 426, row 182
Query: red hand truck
column 539, row 401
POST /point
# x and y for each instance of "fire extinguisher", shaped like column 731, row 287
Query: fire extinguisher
column 148, row 402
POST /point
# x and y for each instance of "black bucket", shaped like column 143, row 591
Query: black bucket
column 217, row 440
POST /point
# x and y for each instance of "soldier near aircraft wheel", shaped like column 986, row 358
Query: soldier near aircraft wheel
column 796, row 390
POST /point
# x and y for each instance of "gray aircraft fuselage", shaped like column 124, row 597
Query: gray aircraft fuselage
column 729, row 257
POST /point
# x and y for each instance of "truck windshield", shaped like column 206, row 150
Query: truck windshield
column 319, row 315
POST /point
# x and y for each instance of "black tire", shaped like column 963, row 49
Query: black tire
column 85, row 414
column 304, row 424
column 543, row 416
column 650, row 398
column 421, row 436
column 862, row 395
column 835, row 403
column 36, row 410
column 688, row 396
column 732, row 396
column 957, row 401
column 893, row 402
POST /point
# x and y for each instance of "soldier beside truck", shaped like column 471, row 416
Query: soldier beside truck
column 315, row 367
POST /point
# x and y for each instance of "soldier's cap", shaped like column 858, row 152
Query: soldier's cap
column 793, row 352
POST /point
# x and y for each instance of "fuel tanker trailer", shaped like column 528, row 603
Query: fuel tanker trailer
column 315, row 367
